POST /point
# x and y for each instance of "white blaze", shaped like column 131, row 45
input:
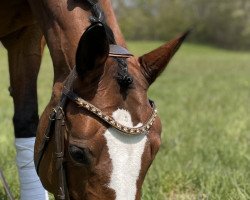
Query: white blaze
column 125, row 153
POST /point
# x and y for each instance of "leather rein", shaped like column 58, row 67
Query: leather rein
column 56, row 127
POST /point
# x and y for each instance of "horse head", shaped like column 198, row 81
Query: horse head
column 109, row 132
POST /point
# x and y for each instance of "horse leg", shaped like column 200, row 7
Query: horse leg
column 25, row 48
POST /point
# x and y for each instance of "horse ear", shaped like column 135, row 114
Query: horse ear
column 155, row 62
column 93, row 49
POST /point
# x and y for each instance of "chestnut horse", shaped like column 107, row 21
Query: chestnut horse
column 99, row 133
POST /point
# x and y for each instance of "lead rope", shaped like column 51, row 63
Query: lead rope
column 6, row 186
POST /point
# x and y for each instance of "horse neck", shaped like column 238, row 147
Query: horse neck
column 62, row 72
column 112, row 22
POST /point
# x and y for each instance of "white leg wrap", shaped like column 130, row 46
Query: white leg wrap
column 30, row 185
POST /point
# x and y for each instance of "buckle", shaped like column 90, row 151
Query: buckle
column 52, row 115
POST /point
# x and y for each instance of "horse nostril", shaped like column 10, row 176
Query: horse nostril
column 80, row 155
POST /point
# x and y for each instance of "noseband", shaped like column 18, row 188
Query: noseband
column 56, row 125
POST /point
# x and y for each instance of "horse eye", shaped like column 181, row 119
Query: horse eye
column 80, row 155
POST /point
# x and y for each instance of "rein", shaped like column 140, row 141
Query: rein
column 56, row 126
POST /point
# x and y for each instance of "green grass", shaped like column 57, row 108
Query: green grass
column 203, row 100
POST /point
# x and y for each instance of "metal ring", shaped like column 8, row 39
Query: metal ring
column 46, row 137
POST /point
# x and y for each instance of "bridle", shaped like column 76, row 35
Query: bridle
column 56, row 126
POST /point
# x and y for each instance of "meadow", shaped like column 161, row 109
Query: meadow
column 203, row 100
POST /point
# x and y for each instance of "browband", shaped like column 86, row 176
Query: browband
column 144, row 129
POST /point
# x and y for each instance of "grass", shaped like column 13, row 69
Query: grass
column 203, row 100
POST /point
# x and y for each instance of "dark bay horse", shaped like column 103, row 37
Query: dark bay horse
column 99, row 133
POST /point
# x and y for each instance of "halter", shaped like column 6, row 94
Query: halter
column 56, row 125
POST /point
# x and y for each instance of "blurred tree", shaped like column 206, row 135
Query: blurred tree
column 225, row 23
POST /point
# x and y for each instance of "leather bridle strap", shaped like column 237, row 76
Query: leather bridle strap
column 62, row 192
column 56, row 125
column 118, row 51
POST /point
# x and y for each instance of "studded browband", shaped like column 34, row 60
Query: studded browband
column 110, row 120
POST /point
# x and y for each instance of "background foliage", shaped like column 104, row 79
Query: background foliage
column 224, row 23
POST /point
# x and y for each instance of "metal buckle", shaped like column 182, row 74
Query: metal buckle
column 59, row 115
column 52, row 116
column 46, row 137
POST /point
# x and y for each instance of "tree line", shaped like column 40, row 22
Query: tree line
column 225, row 23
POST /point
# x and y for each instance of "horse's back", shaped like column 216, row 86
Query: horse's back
column 14, row 15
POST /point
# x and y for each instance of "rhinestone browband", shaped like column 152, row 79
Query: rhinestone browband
column 110, row 120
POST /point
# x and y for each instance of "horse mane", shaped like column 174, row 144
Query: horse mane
column 123, row 78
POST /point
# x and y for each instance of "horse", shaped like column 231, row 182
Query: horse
column 99, row 134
